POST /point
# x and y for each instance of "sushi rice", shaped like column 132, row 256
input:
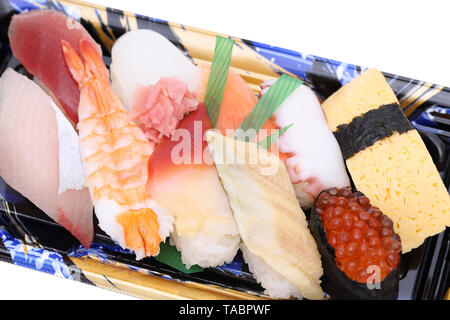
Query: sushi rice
column 275, row 285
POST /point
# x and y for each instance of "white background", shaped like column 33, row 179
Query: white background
column 409, row 38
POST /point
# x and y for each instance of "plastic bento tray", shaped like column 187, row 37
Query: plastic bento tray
column 29, row 238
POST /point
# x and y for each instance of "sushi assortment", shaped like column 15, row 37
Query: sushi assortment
column 327, row 208
column 158, row 96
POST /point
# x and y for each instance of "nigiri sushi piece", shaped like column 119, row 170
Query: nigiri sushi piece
column 182, row 176
column 315, row 160
column 276, row 241
column 35, row 39
column 359, row 247
column 40, row 157
column 142, row 58
column 238, row 100
column 155, row 81
column 115, row 153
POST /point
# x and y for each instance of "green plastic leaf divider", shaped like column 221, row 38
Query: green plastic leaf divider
column 218, row 77
column 269, row 140
column 267, row 105
column 170, row 256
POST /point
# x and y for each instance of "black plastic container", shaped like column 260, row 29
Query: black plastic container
column 424, row 272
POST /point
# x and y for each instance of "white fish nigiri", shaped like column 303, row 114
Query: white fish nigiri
column 40, row 157
column 142, row 58
column 315, row 161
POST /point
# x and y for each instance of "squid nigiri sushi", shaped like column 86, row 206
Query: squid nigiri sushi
column 141, row 58
column 115, row 153
column 35, row 39
column 40, row 157
column 157, row 84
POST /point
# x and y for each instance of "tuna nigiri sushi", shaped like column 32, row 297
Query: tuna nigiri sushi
column 158, row 86
column 35, row 39
column 39, row 155
column 115, row 153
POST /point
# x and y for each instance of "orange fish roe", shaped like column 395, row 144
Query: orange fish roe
column 361, row 235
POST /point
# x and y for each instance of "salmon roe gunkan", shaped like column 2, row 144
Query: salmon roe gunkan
column 361, row 235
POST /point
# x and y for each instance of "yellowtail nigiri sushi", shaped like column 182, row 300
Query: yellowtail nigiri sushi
column 115, row 153
column 40, row 157
column 276, row 241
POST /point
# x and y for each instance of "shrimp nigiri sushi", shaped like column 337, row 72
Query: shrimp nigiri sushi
column 158, row 86
column 40, row 157
column 115, row 153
